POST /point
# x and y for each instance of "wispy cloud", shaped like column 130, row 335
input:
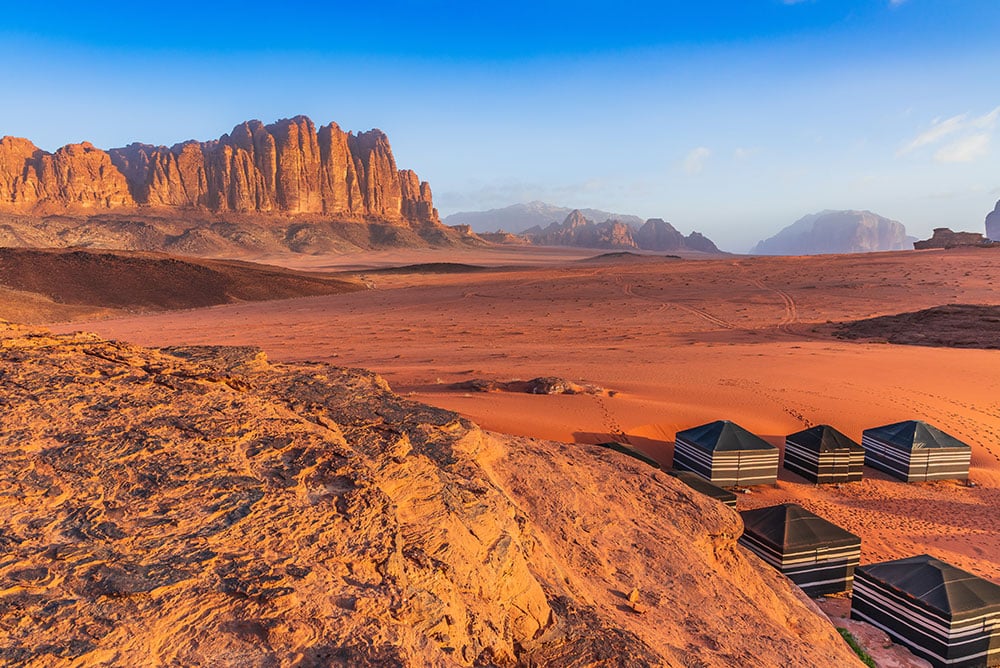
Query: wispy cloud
column 741, row 153
column 695, row 160
column 962, row 138
column 965, row 149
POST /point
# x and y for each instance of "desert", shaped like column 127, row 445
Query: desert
column 502, row 335
column 673, row 343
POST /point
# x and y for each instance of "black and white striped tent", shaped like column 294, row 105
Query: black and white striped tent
column 726, row 454
column 914, row 451
column 941, row 613
column 824, row 455
column 699, row 484
column 814, row 553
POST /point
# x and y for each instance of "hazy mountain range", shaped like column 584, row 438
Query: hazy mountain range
column 517, row 218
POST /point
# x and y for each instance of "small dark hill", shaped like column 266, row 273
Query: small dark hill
column 948, row 326
column 146, row 281
column 627, row 256
column 431, row 268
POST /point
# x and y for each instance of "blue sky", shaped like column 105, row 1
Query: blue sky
column 730, row 117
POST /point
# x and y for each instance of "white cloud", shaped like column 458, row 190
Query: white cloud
column 938, row 130
column 741, row 154
column 695, row 160
column 965, row 149
column 968, row 137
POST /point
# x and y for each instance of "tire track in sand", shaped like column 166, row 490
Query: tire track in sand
column 628, row 289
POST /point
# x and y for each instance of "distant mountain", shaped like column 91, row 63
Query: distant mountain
column 517, row 218
column 993, row 224
column 655, row 235
column 836, row 232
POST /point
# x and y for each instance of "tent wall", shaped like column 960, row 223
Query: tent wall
column 826, row 570
column 971, row 641
column 823, row 467
column 916, row 465
column 728, row 467
column 690, row 457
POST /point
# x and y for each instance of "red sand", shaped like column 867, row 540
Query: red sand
column 680, row 343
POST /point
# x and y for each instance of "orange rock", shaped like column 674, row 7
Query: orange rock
column 287, row 167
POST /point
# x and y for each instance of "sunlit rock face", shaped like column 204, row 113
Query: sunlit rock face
column 288, row 166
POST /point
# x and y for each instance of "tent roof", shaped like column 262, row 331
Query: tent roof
column 789, row 526
column 699, row 484
column 824, row 438
column 723, row 435
column 937, row 584
column 915, row 435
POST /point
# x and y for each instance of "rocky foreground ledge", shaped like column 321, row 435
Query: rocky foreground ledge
column 202, row 506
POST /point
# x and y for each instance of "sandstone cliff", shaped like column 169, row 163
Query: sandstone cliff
column 287, row 166
column 993, row 223
column 836, row 232
column 201, row 506
column 654, row 235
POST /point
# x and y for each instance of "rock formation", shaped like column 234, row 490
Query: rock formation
column 654, row 235
column 943, row 237
column 836, row 232
column 202, row 506
column 993, row 223
column 657, row 234
column 286, row 167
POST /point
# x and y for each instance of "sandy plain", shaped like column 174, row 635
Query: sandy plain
column 675, row 343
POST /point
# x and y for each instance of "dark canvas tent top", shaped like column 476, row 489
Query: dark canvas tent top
column 699, row 484
column 813, row 552
column 726, row 454
column 725, row 436
column 915, row 435
column 823, row 454
column 789, row 526
column 938, row 585
column 942, row 613
column 913, row 451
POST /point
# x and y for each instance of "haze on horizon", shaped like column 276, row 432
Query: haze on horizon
column 734, row 118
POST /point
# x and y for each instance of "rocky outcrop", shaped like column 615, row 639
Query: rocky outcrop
column 943, row 237
column 836, row 232
column 993, row 223
column 654, row 235
column 287, row 167
column 203, row 506
column 76, row 176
